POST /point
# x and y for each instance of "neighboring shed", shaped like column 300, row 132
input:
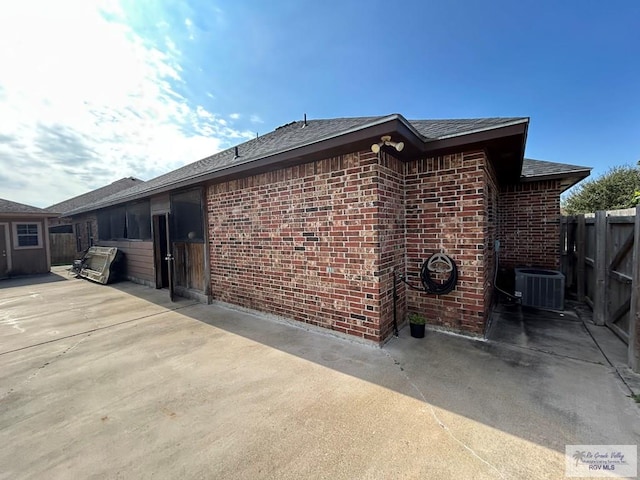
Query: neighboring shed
column 24, row 245
column 68, row 236
column 311, row 221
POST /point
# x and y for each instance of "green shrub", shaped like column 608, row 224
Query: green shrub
column 417, row 319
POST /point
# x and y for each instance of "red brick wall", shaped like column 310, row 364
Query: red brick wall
column 530, row 225
column 491, row 232
column 301, row 242
column 391, row 237
column 319, row 242
column 445, row 212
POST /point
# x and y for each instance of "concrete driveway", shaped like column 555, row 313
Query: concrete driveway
column 117, row 382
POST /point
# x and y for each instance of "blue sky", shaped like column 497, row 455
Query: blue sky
column 92, row 91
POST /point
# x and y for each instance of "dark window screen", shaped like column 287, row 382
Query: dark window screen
column 104, row 225
column 118, row 222
column 112, row 224
column 139, row 221
column 186, row 210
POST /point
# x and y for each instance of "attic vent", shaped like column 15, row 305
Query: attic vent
column 540, row 288
column 236, row 154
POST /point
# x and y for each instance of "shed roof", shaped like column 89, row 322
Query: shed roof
column 7, row 207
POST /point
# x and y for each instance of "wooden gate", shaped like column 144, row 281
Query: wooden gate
column 619, row 271
column 601, row 261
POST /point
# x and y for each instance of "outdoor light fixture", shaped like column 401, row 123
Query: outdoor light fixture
column 386, row 140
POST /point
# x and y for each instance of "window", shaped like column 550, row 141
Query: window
column 139, row 221
column 131, row 222
column 27, row 235
column 118, row 223
column 186, row 211
column 104, row 225
column 112, row 224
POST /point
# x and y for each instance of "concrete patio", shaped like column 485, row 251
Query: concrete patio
column 117, row 382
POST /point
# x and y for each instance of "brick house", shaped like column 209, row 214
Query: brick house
column 308, row 223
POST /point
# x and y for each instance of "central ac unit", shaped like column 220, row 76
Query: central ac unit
column 540, row 288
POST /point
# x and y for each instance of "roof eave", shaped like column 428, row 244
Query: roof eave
column 523, row 120
column 480, row 136
column 570, row 178
column 28, row 214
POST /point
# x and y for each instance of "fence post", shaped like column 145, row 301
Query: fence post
column 600, row 298
column 634, row 314
column 580, row 254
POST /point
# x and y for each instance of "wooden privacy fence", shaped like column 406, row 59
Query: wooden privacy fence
column 600, row 260
column 63, row 248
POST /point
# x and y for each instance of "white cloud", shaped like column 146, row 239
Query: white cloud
column 234, row 116
column 86, row 101
column 189, row 24
column 256, row 119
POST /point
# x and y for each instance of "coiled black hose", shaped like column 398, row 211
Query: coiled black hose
column 437, row 288
column 429, row 285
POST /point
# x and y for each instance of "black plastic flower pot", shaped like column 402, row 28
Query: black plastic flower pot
column 417, row 331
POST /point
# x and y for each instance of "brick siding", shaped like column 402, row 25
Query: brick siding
column 301, row 242
column 391, row 236
column 319, row 242
column 491, row 233
column 529, row 223
column 445, row 212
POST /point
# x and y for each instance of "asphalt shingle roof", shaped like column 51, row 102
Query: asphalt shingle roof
column 294, row 135
column 298, row 134
column 286, row 137
column 94, row 195
column 7, row 206
column 568, row 175
column 440, row 129
column 541, row 168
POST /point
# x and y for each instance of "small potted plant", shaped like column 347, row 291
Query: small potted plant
column 417, row 325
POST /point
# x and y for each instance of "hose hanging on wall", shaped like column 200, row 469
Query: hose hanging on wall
column 437, row 263
column 440, row 263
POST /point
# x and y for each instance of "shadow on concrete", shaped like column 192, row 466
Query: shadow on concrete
column 23, row 280
column 557, row 333
column 540, row 377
